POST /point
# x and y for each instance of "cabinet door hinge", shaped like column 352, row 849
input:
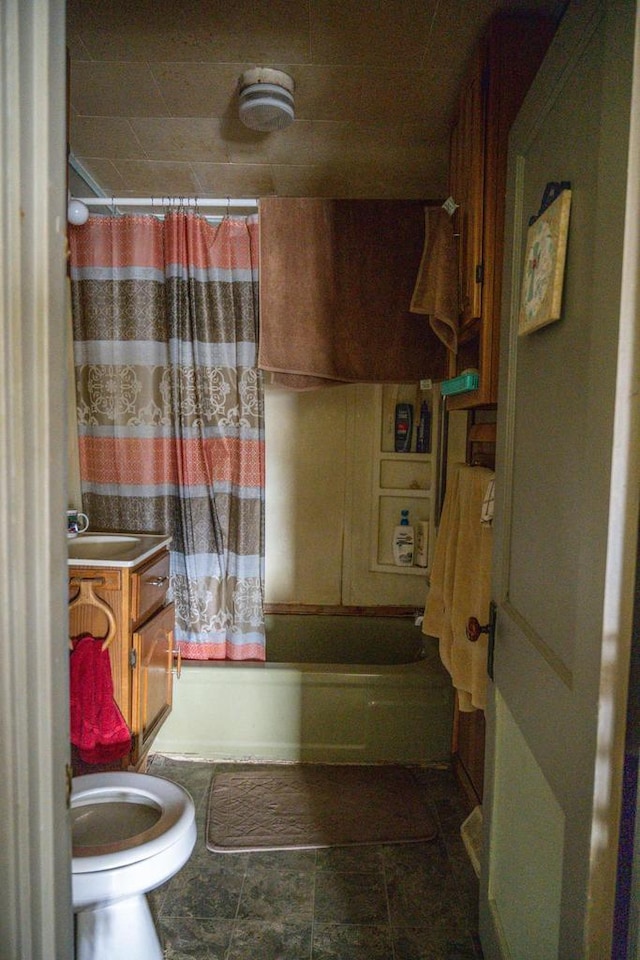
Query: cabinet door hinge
column 480, row 273
column 133, row 657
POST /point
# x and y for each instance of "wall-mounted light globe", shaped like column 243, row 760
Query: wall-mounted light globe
column 77, row 212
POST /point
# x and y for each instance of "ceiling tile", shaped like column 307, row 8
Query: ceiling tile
column 181, row 139
column 310, row 142
column 76, row 48
column 397, row 96
column 152, row 178
column 426, row 143
column 379, row 183
column 326, row 92
column 234, row 180
column 199, row 89
column 200, row 30
column 104, row 173
column 249, row 146
column 79, row 19
column 111, row 137
column 245, row 145
column 112, row 89
column 313, row 180
column 387, row 32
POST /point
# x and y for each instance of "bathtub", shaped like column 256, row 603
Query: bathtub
column 335, row 689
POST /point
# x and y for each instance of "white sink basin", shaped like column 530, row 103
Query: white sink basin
column 101, row 546
column 113, row 549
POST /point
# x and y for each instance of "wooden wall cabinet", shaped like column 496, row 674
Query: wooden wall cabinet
column 498, row 78
column 141, row 652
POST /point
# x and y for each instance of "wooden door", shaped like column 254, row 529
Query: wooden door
column 566, row 516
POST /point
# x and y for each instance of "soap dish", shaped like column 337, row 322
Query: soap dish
column 466, row 381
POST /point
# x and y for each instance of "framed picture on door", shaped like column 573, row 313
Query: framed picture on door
column 544, row 263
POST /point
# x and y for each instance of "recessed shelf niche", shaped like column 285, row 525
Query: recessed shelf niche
column 402, row 481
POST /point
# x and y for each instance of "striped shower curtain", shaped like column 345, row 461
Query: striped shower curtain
column 170, row 410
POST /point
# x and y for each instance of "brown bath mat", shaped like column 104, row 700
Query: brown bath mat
column 315, row 805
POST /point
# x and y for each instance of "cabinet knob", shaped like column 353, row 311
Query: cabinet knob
column 157, row 581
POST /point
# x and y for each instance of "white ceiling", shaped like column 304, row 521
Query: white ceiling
column 153, row 100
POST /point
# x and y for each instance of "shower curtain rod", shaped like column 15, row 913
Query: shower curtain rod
column 222, row 204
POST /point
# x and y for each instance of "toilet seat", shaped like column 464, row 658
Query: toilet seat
column 166, row 798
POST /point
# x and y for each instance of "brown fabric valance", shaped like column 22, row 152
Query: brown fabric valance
column 336, row 282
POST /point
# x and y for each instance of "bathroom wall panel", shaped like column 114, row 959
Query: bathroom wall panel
column 319, row 501
column 305, row 491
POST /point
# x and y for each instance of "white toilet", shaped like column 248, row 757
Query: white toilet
column 130, row 833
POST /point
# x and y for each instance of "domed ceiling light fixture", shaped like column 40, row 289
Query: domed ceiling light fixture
column 266, row 99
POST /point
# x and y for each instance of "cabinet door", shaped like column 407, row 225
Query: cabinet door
column 466, row 186
column 152, row 679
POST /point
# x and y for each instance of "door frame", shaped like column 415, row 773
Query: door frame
column 35, row 866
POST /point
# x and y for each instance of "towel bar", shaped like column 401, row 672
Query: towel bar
column 86, row 597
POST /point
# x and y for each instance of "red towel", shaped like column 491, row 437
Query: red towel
column 98, row 729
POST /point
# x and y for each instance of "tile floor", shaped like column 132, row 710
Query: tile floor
column 415, row 901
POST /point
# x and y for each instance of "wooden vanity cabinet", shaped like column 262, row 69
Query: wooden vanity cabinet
column 141, row 653
column 499, row 75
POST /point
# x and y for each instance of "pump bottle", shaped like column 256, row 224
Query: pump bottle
column 403, row 542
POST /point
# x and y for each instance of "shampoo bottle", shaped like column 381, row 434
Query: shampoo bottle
column 403, row 542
